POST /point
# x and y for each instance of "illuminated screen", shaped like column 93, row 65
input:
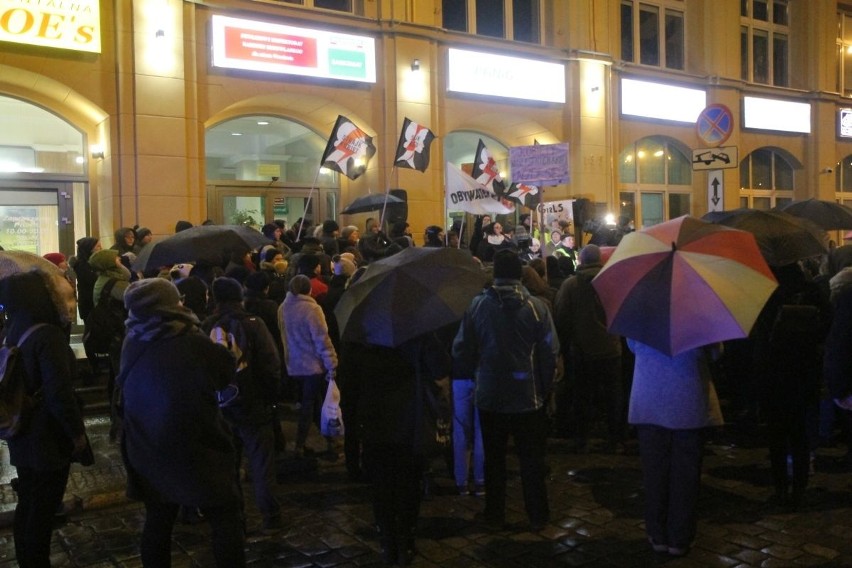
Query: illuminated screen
column 666, row 102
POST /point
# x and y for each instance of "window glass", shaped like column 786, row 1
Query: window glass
column 783, row 173
column 489, row 18
column 679, row 204
column 455, row 15
column 744, row 58
column 649, row 35
column 652, row 209
column 760, row 56
column 340, row 5
column 781, row 202
column 761, row 203
column 674, row 40
column 779, row 60
column 847, row 28
column 627, row 166
column 760, row 10
column 651, row 161
column 627, row 205
column 627, row 32
column 761, row 165
column 779, row 13
column 745, row 172
column 679, row 167
column 743, row 201
column 846, row 173
column 525, row 18
column 744, row 8
column 260, row 147
column 34, row 140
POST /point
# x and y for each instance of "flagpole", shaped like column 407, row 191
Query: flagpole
column 308, row 204
column 387, row 193
column 461, row 227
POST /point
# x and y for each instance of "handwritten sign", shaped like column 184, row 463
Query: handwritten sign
column 540, row 164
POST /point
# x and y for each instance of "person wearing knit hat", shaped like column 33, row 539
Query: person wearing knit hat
column 84, row 274
column 144, row 236
column 248, row 408
column 177, row 447
column 107, row 264
column 227, row 289
column 344, row 264
column 328, row 237
column 309, row 265
column 351, row 234
column 514, row 380
column 58, row 259
column 182, row 226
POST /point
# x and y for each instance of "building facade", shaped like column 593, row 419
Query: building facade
column 145, row 112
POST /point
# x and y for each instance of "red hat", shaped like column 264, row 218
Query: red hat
column 56, row 258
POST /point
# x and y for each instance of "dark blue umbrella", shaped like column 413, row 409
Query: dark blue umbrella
column 213, row 244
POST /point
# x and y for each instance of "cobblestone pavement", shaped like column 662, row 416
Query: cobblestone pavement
column 595, row 497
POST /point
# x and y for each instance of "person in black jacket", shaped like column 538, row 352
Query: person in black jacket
column 250, row 414
column 54, row 433
column 177, row 447
column 85, row 274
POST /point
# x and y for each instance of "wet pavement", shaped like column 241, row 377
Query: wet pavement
column 595, row 497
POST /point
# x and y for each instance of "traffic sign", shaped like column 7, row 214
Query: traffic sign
column 723, row 157
column 715, row 124
column 715, row 191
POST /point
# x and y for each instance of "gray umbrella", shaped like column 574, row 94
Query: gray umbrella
column 371, row 202
column 213, row 244
column 828, row 215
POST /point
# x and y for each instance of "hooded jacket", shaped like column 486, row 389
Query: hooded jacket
column 508, row 343
column 103, row 262
column 46, row 442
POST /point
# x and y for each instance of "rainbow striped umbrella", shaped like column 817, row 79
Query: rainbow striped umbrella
column 684, row 283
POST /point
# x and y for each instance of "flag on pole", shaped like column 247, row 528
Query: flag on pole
column 463, row 193
column 413, row 148
column 485, row 170
column 527, row 195
column 348, row 149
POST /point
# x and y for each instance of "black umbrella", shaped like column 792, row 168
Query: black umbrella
column 370, row 202
column 828, row 215
column 208, row 243
column 413, row 292
column 781, row 237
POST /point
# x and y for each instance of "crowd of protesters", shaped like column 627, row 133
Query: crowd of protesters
column 211, row 349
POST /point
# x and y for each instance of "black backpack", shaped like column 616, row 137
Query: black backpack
column 15, row 401
column 105, row 325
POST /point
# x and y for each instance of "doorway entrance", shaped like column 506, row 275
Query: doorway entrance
column 252, row 206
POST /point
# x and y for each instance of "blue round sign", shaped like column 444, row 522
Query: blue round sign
column 715, row 124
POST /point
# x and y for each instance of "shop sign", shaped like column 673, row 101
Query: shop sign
column 276, row 48
column 845, row 123
column 501, row 76
column 774, row 114
column 62, row 24
column 647, row 99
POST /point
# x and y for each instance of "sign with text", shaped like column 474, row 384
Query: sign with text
column 540, row 164
column 723, row 157
column 503, row 76
column 844, row 125
column 276, row 48
column 64, row 25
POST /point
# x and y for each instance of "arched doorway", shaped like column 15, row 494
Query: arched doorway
column 43, row 180
column 262, row 167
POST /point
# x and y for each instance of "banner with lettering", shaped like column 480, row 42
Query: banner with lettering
column 466, row 194
column 65, row 25
column 540, row 164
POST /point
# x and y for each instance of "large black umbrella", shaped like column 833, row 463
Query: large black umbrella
column 781, row 237
column 370, row 202
column 828, row 215
column 413, row 292
column 206, row 243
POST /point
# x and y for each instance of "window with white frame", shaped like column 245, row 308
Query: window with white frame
column 844, row 54
column 518, row 20
column 659, row 171
column 653, row 33
column 764, row 41
column 766, row 180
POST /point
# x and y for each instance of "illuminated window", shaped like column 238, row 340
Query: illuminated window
column 844, row 54
column 656, row 174
column 653, row 34
column 764, row 42
column 766, row 179
column 518, row 20
column 337, row 5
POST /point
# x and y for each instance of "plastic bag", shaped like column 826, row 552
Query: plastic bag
column 331, row 418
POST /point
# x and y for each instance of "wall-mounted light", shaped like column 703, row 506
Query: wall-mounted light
column 160, row 34
column 97, row 151
column 415, row 65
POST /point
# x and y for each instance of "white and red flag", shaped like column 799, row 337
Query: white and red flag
column 348, row 149
column 413, row 148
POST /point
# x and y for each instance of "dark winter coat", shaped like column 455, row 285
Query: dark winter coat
column 46, row 442
column 580, row 317
column 177, row 444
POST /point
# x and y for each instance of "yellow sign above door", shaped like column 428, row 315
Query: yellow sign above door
column 60, row 24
